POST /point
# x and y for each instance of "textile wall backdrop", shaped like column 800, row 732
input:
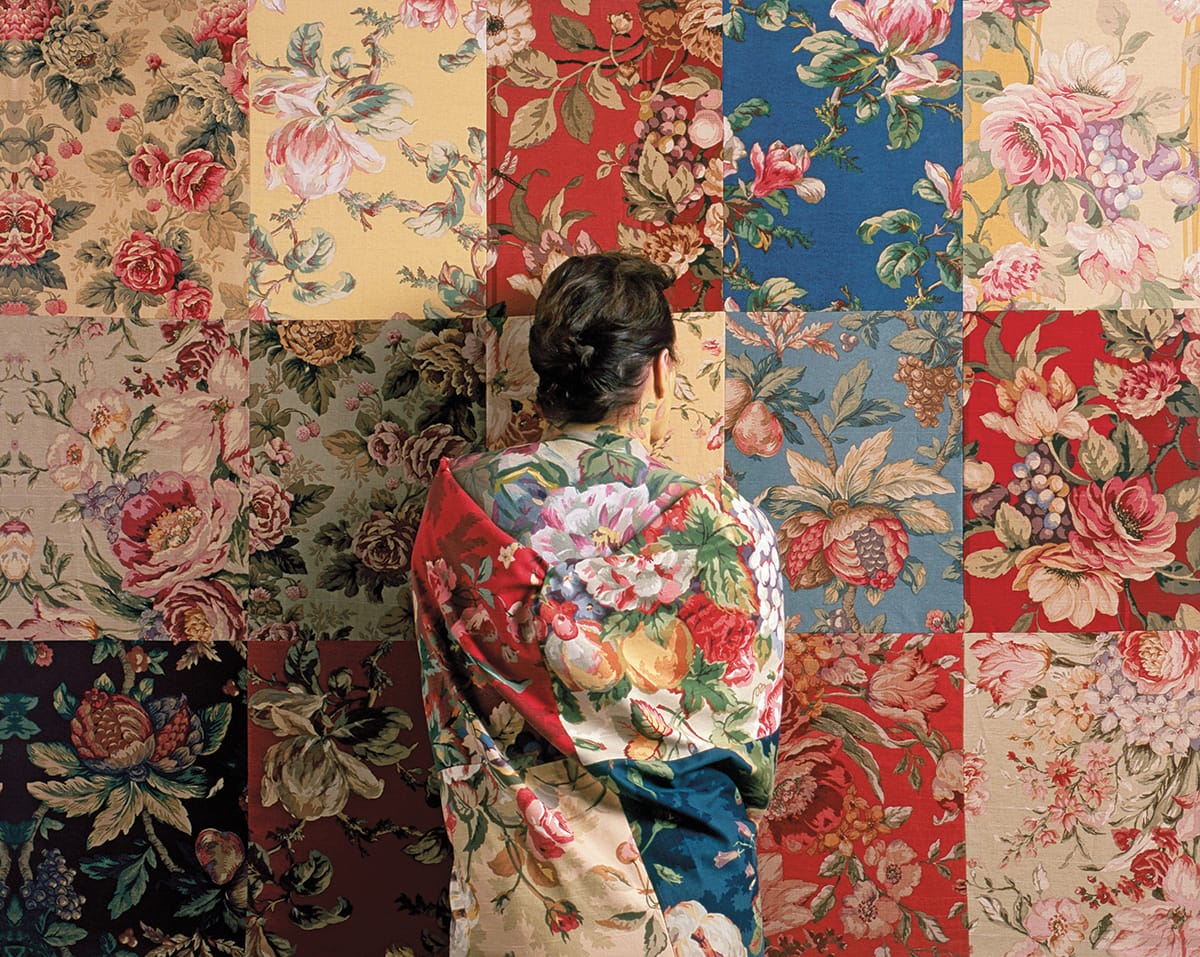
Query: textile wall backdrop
column 261, row 268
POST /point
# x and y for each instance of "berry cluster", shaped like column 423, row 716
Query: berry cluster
column 1042, row 494
column 664, row 127
column 1112, row 168
column 105, row 503
column 51, row 888
column 927, row 388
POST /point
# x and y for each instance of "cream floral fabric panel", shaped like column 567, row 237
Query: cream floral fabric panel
column 1081, row 153
column 694, row 445
column 1081, row 792
column 124, row 145
column 122, row 480
column 368, row 185
column 348, row 421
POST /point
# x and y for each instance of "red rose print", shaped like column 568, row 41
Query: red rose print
column 26, row 223
column 223, row 21
column 189, row 300
column 194, row 180
column 724, row 635
column 144, row 264
column 28, row 20
column 146, row 165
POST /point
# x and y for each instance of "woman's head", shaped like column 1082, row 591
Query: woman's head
column 599, row 325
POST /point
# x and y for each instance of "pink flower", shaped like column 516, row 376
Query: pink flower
column 904, row 689
column 101, row 414
column 949, row 188
column 72, row 463
column 223, row 21
column 1013, row 270
column 1190, row 282
column 202, row 611
column 1189, row 365
column 868, row 913
column 269, row 506
column 236, row 79
column 552, row 250
column 189, row 300
column 1066, row 585
column 43, row 167
column 896, row 26
column 1120, row 252
column 707, row 128
column 547, row 831
column 58, row 624
column 176, row 530
column 1180, row 10
column 317, row 155
column 784, row 167
column 428, row 13
column 205, row 426
column 385, row 444
column 26, row 224
column 1032, row 136
column 898, row 871
column 1058, row 924
column 144, row 264
column 1163, row 928
column 146, row 165
column 278, row 451
column 27, row 20
column 1123, row 527
column 1187, row 828
column 1144, row 388
column 923, row 75
column 1008, row 667
column 1090, row 77
column 975, row 777
column 1161, row 662
column 194, row 180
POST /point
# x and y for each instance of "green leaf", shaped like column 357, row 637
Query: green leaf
column 572, row 35
column 464, row 56
column 304, row 47
column 160, row 105
column 313, row 253
column 578, row 114
column 302, row 665
column 215, row 721
column 132, row 882
column 1099, row 457
column 774, row 294
column 317, row 293
column 533, row 123
column 893, row 221
column 64, row 702
column 1132, row 447
column 899, row 260
column 62, row 934
column 1012, row 527
column 308, row 877
column 904, row 125
column 745, row 111
column 990, row 563
column 982, row 85
column 310, row 917
column 1024, row 211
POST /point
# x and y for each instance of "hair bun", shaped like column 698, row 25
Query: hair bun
column 583, row 354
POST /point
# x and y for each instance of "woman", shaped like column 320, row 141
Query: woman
column 601, row 644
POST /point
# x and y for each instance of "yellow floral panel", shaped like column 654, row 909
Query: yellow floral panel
column 693, row 445
column 1081, row 158
column 368, row 172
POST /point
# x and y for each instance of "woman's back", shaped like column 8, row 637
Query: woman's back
column 601, row 644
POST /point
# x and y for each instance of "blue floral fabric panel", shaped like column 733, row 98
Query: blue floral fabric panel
column 843, row 155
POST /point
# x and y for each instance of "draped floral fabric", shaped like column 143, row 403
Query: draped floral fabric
column 1081, row 158
column 601, row 641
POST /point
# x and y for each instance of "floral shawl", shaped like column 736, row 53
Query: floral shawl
column 601, row 644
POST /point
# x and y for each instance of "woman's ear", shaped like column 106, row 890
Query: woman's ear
column 664, row 374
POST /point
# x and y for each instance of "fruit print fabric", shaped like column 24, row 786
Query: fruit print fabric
column 693, row 444
column 634, row 670
column 1081, row 155
column 370, row 128
column 604, row 132
column 1082, row 448
column 123, row 830
column 843, row 145
column 846, row 427
column 344, row 839
column 125, row 159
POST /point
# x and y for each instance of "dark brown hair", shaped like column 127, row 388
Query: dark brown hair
column 598, row 325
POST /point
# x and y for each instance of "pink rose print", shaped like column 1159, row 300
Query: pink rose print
column 270, row 508
column 784, row 167
column 235, row 79
column 26, row 224
column 202, row 611
column 144, row 264
column 176, row 530
column 1059, row 924
column 146, row 165
column 223, row 21
column 1145, row 388
column 194, row 180
column 189, row 300
column 547, row 831
column 428, row 13
column 1161, row 662
column 1189, row 365
column 1032, row 136
column 317, row 156
column 1123, row 527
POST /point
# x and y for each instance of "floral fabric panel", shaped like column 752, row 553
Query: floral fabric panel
column 124, row 154
column 843, row 146
column 846, row 429
column 694, row 444
column 605, row 131
column 122, row 830
column 122, row 480
column 348, row 420
column 1081, row 154
column 368, row 187
column 346, row 842
column 1080, row 798
column 1082, row 493
column 862, row 850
